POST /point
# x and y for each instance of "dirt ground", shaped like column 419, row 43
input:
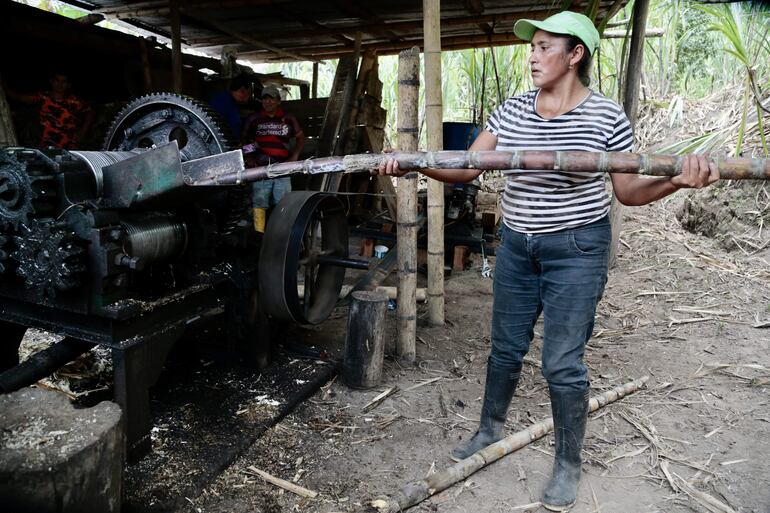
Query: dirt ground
column 686, row 309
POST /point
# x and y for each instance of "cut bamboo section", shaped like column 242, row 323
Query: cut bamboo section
column 435, row 141
column 732, row 168
column 417, row 491
column 406, row 211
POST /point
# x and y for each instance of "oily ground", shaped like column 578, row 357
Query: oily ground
column 690, row 308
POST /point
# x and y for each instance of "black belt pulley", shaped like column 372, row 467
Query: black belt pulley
column 305, row 247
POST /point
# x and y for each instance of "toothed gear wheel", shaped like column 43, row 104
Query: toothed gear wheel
column 16, row 192
column 51, row 258
column 159, row 118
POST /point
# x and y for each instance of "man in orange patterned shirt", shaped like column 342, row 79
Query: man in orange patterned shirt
column 64, row 118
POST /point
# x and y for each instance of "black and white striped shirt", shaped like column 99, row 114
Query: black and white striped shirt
column 548, row 201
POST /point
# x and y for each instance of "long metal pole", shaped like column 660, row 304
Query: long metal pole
column 435, row 141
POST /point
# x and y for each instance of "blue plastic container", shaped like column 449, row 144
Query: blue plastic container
column 459, row 136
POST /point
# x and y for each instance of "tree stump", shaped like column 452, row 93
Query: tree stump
column 364, row 346
column 58, row 459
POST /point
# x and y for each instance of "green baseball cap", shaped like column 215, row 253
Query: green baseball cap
column 565, row 22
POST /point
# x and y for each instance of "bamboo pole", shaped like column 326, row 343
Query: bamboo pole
column 406, row 211
column 435, row 141
column 731, row 168
column 417, row 491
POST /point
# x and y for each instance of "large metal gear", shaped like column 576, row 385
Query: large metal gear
column 50, row 258
column 159, row 118
column 27, row 187
column 16, row 193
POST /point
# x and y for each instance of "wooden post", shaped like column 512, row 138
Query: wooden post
column 364, row 349
column 314, row 89
column 228, row 67
column 7, row 132
column 406, row 233
column 176, row 46
column 435, row 141
column 630, row 104
column 146, row 69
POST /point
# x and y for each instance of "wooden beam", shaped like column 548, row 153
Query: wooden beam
column 203, row 17
column 360, row 10
column 447, row 44
column 7, row 131
column 382, row 27
column 176, row 46
column 314, row 89
column 611, row 12
column 161, row 7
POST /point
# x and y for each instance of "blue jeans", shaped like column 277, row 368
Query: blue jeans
column 561, row 275
column 266, row 193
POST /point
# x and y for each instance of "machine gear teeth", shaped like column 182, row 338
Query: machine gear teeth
column 16, row 193
column 50, row 258
column 158, row 118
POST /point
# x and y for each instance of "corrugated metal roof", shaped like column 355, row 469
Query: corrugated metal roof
column 281, row 30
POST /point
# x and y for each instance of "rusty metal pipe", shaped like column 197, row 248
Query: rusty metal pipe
column 42, row 364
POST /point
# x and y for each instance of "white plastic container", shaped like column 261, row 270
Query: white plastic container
column 380, row 250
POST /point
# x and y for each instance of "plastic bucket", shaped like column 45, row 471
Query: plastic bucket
column 459, row 135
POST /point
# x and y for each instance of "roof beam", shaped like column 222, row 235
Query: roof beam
column 162, row 8
column 476, row 8
column 385, row 28
column 447, row 44
column 202, row 17
column 360, row 10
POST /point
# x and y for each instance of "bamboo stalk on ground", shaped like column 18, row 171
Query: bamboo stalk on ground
column 406, row 211
column 733, row 168
column 417, row 491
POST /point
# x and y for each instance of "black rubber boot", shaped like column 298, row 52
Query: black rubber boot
column 570, row 411
column 498, row 391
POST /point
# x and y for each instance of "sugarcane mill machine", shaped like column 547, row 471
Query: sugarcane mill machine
column 113, row 248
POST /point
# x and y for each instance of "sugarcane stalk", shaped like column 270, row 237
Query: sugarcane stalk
column 417, row 491
column 733, row 168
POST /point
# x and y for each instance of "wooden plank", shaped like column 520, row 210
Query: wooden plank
column 7, row 132
column 176, row 47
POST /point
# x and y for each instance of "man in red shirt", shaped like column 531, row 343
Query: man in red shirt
column 64, row 118
column 268, row 135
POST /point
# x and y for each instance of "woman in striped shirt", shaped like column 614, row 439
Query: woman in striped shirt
column 555, row 234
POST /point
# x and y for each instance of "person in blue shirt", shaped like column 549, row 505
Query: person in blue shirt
column 226, row 103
